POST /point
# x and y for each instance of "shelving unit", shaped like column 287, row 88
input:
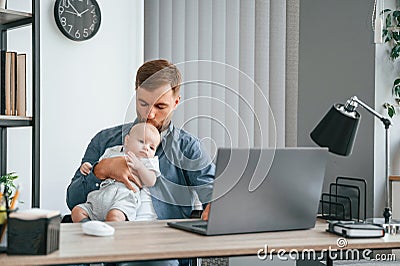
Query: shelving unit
column 9, row 20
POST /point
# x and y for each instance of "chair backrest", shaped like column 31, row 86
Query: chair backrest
column 66, row 218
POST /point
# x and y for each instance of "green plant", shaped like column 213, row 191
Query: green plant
column 8, row 182
column 391, row 36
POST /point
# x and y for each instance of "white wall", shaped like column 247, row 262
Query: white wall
column 386, row 71
column 85, row 86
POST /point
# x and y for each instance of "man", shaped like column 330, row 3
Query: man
column 183, row 162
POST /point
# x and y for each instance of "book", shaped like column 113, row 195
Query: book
column 10, row 82
column 352, row 229
column 7, row 83
column 20, row 99
column 13, row 81
column 2, row 82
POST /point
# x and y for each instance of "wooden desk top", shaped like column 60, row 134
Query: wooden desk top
column 394, row 178
column 155, row 240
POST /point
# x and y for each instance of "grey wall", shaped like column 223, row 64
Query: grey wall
column 337, row 61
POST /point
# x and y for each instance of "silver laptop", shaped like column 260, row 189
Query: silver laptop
column 262, row 190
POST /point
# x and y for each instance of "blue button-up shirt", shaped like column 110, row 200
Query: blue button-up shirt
column 184, row 164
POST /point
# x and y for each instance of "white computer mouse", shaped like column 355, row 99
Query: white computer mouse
column 97, row 228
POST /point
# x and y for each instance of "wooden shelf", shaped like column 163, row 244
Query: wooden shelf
column 394, row 178
column 10, row 20
column 9, row 16
column 15, row 121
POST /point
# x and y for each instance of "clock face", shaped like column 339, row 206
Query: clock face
column 78, row 20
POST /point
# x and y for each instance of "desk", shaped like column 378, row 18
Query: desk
column 161, row 242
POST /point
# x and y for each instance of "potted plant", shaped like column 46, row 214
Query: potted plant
column 7, row 184
column 8, row 190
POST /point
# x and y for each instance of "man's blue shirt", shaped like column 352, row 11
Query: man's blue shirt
column 184, row 165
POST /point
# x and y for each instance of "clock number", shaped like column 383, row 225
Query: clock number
column 77, row 34
column 66, row 3
column 70, row 28
column 87, row 2
column 91, row 27
column 63, row 21
column 60, row 10
column 85, row 32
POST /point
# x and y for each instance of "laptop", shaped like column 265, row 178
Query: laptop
column 263, row 190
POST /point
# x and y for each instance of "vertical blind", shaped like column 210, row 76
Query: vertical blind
column 239, row 63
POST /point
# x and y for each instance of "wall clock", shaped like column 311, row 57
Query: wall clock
column 78, row 20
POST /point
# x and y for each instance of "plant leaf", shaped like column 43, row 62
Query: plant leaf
column 388, row 21
column 385, row 11
column 390, row 109
column 396, row 36
column 8, row 181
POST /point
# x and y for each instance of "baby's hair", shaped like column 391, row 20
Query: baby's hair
column 147, row 125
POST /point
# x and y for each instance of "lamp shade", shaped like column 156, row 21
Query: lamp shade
column 337, row 130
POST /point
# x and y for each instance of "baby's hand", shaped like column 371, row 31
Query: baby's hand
column 85, row 168
column 133, row 161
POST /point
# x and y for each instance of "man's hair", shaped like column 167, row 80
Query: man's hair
column 156, row 73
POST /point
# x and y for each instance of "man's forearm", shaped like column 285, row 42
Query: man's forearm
column 80, row 187
column 100, row 169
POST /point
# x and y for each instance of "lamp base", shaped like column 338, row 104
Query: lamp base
column 393, row 227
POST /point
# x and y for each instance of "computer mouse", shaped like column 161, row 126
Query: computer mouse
column 97, row 228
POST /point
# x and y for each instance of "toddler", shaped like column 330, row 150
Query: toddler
column 114, row 201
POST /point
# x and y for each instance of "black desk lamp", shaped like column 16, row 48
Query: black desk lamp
column 337, row 131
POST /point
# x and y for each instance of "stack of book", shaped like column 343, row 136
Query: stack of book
column 13, row 84
column 353, row 229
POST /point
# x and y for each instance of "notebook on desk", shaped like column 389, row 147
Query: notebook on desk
column 263, row 190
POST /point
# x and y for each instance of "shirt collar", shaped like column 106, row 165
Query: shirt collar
column 167, row 131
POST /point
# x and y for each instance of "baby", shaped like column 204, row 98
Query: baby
column 114, row 201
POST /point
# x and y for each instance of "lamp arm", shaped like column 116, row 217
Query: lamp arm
column 350, row 104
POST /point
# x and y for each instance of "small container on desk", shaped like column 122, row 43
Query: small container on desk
column 33, row 232
column 3, row 226
column 4, row 211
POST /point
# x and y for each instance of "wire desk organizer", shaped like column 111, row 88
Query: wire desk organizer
column 346, row 200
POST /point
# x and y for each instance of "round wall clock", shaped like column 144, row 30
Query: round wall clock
column 78, row 20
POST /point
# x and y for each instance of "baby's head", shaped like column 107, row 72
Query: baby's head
column 142, row 140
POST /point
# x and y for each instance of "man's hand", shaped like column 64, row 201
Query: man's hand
column 204, row 215
column 116, row 168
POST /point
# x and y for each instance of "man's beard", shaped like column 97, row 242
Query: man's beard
column 160, row 126
column 154, row 123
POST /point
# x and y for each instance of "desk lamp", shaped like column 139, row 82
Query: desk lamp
column 337, row 131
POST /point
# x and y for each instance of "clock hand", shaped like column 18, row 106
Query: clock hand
column 67, row 11
column 77, row 13
column 80, row 14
